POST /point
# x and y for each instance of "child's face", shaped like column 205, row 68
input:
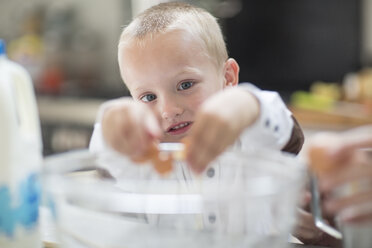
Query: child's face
column 173, row 75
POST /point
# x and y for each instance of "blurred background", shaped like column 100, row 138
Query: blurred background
column 316, row 53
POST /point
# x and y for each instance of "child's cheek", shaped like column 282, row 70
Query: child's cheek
column 198, row 100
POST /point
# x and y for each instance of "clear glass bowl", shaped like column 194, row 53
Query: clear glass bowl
column 249, row 201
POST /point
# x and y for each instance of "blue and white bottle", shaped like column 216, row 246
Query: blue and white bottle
column 20, row 157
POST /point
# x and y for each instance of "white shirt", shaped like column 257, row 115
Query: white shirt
column 271, row 130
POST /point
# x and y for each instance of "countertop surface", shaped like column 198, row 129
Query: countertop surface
column 340, row 119
column 68, row 110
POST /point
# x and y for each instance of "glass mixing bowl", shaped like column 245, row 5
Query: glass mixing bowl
column 248, row 200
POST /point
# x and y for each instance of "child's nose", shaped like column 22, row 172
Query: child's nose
column 170, row 110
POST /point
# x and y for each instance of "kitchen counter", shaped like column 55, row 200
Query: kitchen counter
column 339, row 119
column 66, row 122
column 342, row 118
column 68, row 110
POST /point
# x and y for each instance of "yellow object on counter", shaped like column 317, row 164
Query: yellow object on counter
column 329, row 90
column 306, row 100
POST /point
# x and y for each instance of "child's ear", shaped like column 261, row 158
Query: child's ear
column 231, row 73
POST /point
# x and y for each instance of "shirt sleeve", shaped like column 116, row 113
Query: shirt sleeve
column 273, row 128
column 97, row 143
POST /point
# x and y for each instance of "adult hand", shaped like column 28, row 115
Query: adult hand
column 347, row 181
column 305, row 229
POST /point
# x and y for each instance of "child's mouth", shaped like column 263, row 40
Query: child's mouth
column 179, row 128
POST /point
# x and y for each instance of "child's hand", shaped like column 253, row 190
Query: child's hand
column 218, row 124
column 130, row 128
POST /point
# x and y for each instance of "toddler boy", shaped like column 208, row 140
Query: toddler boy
column 174, row 61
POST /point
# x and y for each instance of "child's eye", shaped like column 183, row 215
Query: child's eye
column 148, row 98
column 185, row 85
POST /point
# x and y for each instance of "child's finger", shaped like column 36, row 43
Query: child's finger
column 211, row 136
column 195, row 151
column 127, row 140
column 138, row 140
column 203, row 146
column 115, row 136
column 142, row 128
column 152, row 125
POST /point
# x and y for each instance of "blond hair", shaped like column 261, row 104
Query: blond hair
column 166, row 17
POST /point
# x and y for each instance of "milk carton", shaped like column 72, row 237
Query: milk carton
column 20, row 157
